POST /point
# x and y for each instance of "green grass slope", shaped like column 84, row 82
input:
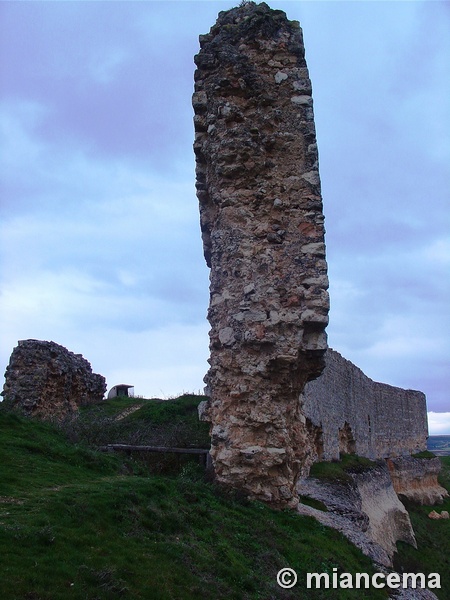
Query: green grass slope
column 433, row 539
column 137, row 421
column 79, row 524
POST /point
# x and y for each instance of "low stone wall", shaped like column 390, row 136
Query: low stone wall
column 346, row 411
column 44, row 379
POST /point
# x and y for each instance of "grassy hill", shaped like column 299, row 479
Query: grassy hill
column 79, row 524
column 433, row 539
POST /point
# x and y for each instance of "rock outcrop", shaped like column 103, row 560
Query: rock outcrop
column 416, row 479
column 366, row 509
column 389, row 520
column 381, row 559
column 44, row 379
column 262, row 227
column 348, row 412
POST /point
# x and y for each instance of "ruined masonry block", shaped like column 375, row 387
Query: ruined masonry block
column 263, row 235
column 348, row 412
column 44, row 379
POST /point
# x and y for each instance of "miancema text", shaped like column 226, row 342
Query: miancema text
column 377, row 580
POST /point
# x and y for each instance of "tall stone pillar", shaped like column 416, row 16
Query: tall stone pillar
column 263, row 235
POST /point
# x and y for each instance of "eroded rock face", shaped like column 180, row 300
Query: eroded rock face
column 367, row 504
column 389, row 520
column 44, row 379
column 262, row 227
column 416, row 479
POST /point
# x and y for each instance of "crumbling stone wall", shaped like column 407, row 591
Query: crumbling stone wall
column 44, row 379
column 352, row 413
column 263, row 235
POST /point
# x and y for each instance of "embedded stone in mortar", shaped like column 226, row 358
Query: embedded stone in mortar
column 262, row 227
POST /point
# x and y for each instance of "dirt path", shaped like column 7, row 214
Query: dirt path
column 128, row 411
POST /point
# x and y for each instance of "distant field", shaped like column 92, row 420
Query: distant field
column 439, row 444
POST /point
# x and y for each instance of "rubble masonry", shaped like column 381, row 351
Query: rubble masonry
column 262, row 227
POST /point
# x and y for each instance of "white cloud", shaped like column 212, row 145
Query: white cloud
column 439, row 423
column 160, row 363
column 105, row 63
column 15, row 119
column 400, row 337
column 126, row 338
column 438, row 252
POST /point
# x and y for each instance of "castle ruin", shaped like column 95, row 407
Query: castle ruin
column 44, row 379
column 263, row 235
column 271, row 411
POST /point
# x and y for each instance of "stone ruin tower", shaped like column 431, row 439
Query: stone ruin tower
column 45, row 380
column 263, row 235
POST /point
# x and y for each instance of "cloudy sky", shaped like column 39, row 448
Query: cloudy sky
column 100, row 241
